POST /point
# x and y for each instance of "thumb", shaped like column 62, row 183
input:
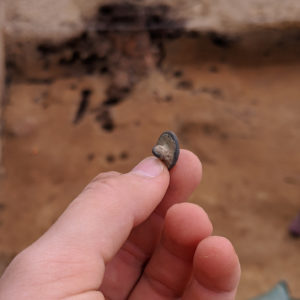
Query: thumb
column 101, row 218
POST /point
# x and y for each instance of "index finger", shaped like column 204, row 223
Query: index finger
column 126, row 267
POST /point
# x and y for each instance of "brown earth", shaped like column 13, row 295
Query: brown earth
column 235, row 105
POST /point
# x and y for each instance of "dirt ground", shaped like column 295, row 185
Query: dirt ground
column 235, row 105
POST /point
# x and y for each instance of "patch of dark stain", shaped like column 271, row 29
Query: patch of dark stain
column 75, row 41
column 116, row 93
column 40, row 80
column 90, row 156
column 224, row 136
column 161, row 52
column 10, row 64
column 42, row 97
column 110, row 158
column 174, row 34
column 104, row 70
column 90, row 61
column 193, row 34
column 220, row 40
column 185, row 85
column 154, row 21
column 215, row 92
column 280, row 43
column 124, row 155
column 168, row 98
column 46, row 49
column 294, row 235
column 83, row 105
column 209, row 128
column 46, row 64
column 120, row 16
column 123, row 38
column 214, row 69
column 8, row 133
column 73, row 86
column 127, row 16
column 105, row 119
column 156, row 17
column 106, row 10
column 2, row 206
column 71, row 60
column 137, row 123
column 8, row 79
column 223, row 58
column 290, row 180
column 266, row 53
column 112, row 101
column 178, row 73
column 84, row 36
column 45, row 105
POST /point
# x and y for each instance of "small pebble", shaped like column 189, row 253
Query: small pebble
column 167, row 149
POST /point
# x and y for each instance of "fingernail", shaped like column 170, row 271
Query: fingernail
column 149, row 167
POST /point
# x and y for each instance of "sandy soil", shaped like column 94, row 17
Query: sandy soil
column 236, row 106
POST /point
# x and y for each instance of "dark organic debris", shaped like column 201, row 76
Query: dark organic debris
column 124, row 41
column 2, row 206
column 83, row 105
column 214, row 92
column 105, row 119
column 75, row 56
column 220, row 40
column 40, row 80
column 124, row 155
column 185, row 85
column 130, row 17
column 214, row 69
column 112, row 101
column 90, row 156
column 168, row 98
column 46, row 49
column 110, row 158
column 73, row 86
column 178, row 73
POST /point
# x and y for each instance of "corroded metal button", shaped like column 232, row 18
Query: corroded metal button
column 167, row 149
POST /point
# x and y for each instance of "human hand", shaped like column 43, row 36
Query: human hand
column 124, row 237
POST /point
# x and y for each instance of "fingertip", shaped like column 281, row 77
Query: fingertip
column 187, row 224
column 188, row 166
column 216, row 264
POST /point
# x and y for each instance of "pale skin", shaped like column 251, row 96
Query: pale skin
column 129, row 236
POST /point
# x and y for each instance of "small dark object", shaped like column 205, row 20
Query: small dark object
column 178, row 73
column 185, row 85
column 110, row 158
column 83, row 105
column 295, row 227
column 123, row 155
column 220, row 40
column 90, row 156
column 106, row 121
column 167, row 149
